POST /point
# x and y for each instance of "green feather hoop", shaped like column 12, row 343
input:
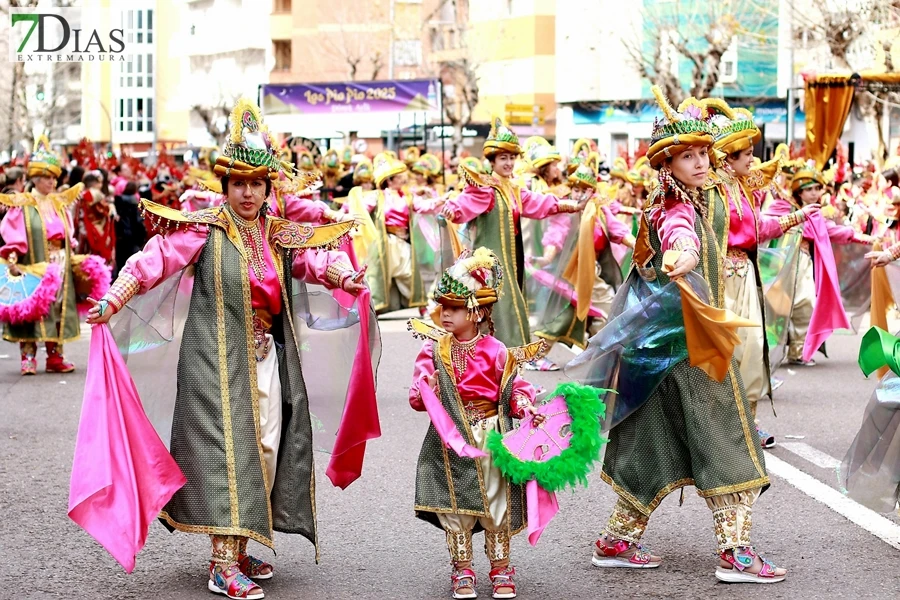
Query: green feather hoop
column 573, row 464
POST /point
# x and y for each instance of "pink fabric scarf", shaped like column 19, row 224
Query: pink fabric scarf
column 122, row 474
column 359, row 422
column 828, row 313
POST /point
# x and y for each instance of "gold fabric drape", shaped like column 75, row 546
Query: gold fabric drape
column 827, row 105
column 581, row 270
column 710, row 332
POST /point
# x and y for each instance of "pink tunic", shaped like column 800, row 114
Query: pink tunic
column 742, row 229
column 838, row 234
column 674, row 220
column 15, row 237
column 558, row 227
column 396, row 207
column 482, row 378
column 163, row 256
column 300, row 209
column 476, row 201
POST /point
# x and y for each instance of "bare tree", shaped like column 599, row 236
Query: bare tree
column 699, row 33
column 853, row 37
column 452, row 58
column 362, row 37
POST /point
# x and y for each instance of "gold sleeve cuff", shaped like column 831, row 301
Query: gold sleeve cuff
column 567, row 206
column 337, row 272
column 791, row 220
column 895, row 251
column 122, row 290
column 684, row 243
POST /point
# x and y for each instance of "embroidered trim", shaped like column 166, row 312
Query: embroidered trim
column 337, row 272
column 567, row 206
column 894, row 251
column 791, row 220
column 122, row 290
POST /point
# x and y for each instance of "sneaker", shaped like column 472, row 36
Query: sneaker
column 776, row 382
column 766, row 439
column 623, row 554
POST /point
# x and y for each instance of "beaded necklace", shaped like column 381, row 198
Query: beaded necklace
column 460, row 351
column 251, row 238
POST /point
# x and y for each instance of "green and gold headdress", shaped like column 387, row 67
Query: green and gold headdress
column 43, row 161
column 540, row 152
column 690, row 125
column 500, row 139
column 736, row 130
column 472, row 282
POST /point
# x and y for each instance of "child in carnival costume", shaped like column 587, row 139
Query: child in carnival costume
column 471, row 377
column 38, row 239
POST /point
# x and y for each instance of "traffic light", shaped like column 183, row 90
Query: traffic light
column 40, row 92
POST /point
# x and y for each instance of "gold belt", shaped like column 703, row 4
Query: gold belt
column 736, row 263
column 262, row 324
column 479, row 410
column 400, row 232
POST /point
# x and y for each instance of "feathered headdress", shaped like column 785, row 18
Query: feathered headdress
column 472, row 282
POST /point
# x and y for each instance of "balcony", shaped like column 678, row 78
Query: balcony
column 445, row 42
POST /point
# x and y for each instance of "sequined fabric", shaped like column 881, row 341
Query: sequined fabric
column 692, row 430
column 459, row 543
column 626, row 522
column 732, row 518
column 215, row 431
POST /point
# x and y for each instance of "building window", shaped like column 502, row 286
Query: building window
column 282, row 55
column 408, row 53
column 282, row 6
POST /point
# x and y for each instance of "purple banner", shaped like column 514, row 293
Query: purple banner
column 417, row 95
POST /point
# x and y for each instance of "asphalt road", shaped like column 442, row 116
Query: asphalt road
column 373, row 547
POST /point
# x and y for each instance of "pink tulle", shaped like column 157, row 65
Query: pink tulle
column 99, row 274
column 38, row 304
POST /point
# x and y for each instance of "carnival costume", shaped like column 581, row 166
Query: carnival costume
column 393, row 274
column 587, row 267
column 494, row 206
column 241, row 429
column 817, row 297
column 680, row 416
column 738, row 199
column 38, row 242
column 462, row 491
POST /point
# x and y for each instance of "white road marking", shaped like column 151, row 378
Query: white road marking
column 816, row 457
column 880, row 527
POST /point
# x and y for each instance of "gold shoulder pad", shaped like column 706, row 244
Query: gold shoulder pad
column 17, row 200
column 477, row 179
column 425, row 331
column 165, row 218
column 528, row 352
column 69, row 196
column 288, row 234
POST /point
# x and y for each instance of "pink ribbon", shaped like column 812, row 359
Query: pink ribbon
column 122, row 474
column 359, row 423
column 542, row 507
column 444, row 425
column 828, row 313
